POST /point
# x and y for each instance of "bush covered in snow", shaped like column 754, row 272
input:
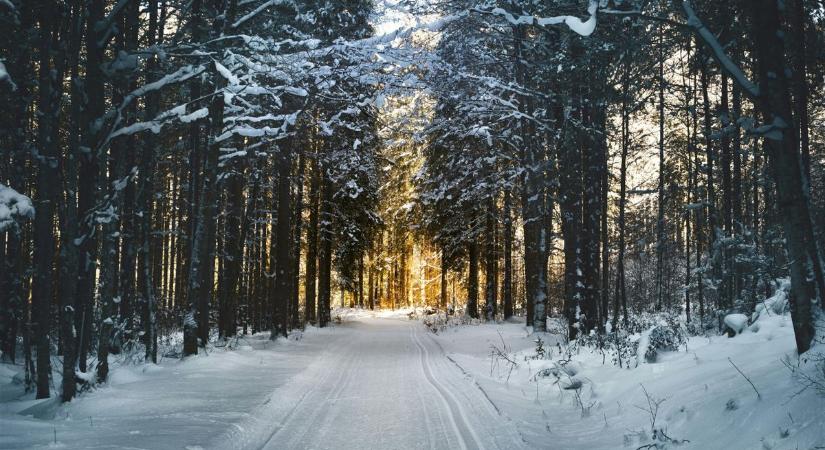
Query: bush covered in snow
column 664, row 338
column 643, row 338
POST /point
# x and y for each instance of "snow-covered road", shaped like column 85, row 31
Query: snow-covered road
column 382, row 383
column 371, row 382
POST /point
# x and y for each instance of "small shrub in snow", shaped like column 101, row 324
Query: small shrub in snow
column 502, row 358
column 664, row 338
column 649, row 334
column 540, row 352
column 731, row 405
column 557, row 326
column 435, row 322
column 659, row 436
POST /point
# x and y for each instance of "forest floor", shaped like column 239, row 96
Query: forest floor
column 382, row 381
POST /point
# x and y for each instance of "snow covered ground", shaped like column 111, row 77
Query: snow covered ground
column 176, row 404
column 383, row 381
column 704, row 399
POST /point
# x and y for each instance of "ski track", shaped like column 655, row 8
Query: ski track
column 380, row 384
column 323, row 379
column 467, row 436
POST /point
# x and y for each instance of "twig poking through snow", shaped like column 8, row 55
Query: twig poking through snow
column 758, row 395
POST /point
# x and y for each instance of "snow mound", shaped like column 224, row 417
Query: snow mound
column 736, row 322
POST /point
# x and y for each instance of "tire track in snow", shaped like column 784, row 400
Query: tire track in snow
column 466, row 435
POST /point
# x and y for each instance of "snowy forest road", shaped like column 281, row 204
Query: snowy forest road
column 382, row 384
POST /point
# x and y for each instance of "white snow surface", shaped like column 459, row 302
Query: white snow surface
column 379, row 380
column 697, row 385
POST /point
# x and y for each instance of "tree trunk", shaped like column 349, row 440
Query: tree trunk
column 660, row 217
column 46, row 196
column 787, row 169
column 507, row 294
column 491, row 262
column 442, row 303
column 145, row 283
column 284, row 238
column 312, row 245
column 325, row 254
column 472, row 282
column 295, row 281
column 87, row 196
column 236, row 222
column 621, row 292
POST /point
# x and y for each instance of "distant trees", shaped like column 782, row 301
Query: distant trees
column 582, row 107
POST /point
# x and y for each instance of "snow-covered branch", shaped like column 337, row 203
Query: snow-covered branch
column 4, row 76
column 693, row 21
column 13, row 206
column 577, row 25
column 256, row 11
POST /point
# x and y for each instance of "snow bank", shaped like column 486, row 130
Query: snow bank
column 580, row 400
column 176, row 404
column 736, row 322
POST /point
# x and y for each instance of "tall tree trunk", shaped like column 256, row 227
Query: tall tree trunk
column 621, row 285
column 660, row 217
column 295, row 281
column 69, row 256
column 535, row 239
column 236, row 222
column 87, row 196
column 284, row 238
column 726, row 294
column 191, row 269
column 787, row 169
column 605, row 237
column 710, row 187
column 312, row 244
column 491, row 261
column 443, row 284
column 507, row 294
column 325, row 253
column 571, row 228
column 591, row 144
column 472, row 282
column 48, row 110
column 145, row 283
column 737, row 192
